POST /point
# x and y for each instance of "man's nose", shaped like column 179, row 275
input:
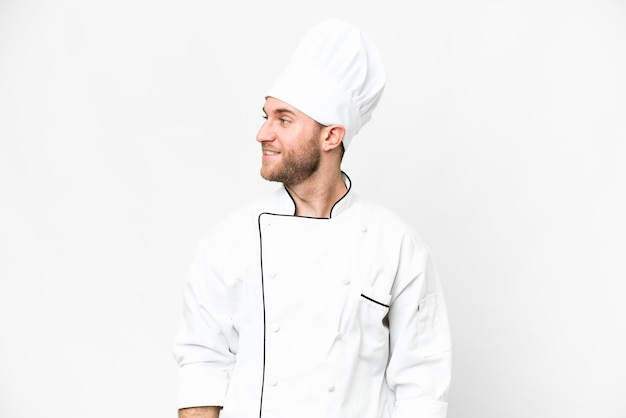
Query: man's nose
column 266, row 133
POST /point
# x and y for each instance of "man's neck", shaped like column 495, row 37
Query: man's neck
column 316, row 196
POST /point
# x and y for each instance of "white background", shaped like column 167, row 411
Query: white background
column 127, row 129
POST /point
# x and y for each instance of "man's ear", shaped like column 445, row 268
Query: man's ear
column 333, row 135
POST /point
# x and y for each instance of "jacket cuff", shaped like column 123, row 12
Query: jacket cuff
column 413, row 408
column 201, row 385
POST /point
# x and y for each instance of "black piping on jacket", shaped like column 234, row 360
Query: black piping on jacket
column 263, row 279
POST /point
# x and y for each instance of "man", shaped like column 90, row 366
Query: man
column 314, row 302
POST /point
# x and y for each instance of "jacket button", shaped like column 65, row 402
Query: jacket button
column 363, row 228
column 331, row 389
column 275, row 327
column 346, row 281
column 273, row 275
column 273, row 382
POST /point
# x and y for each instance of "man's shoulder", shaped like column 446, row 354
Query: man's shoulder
column 377, row 211
column 385, row 218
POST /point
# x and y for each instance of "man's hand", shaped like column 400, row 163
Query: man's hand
column 200, row 412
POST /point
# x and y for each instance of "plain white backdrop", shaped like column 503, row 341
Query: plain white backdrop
column 127, row 129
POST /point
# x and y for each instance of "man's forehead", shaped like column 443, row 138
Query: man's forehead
column 279, row 111
column 273, row 105
column 276, row 107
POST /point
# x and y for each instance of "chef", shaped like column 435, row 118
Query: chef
column 314, row 301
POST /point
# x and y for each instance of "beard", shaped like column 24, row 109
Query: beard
column 296, row 165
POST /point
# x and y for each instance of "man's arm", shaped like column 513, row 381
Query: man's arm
column 419, row 365
column 205, row 336
column 200, row 412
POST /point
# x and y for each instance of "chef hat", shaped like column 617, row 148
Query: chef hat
column 336, row 76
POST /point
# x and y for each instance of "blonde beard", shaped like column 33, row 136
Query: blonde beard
column 297, row 165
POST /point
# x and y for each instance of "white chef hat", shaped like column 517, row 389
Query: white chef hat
column 336, row 76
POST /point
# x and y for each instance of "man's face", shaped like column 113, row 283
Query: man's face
column 290, row 141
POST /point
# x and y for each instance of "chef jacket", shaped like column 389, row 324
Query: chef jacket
column 289, row 316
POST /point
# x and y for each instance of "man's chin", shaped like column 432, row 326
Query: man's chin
column 268, row 176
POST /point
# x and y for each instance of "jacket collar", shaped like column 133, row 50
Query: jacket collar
column 285, row 205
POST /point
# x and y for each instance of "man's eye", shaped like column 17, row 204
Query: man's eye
column 284, row 121
column 264, row 117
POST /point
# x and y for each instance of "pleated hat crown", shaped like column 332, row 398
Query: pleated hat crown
column 335, row 76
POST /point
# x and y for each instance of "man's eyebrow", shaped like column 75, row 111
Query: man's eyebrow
column 280, row 111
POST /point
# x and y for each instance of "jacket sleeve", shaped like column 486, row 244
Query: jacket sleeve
column 420, row 350
column 206, row 341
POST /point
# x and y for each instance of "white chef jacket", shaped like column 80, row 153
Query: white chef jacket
column 288, row 316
